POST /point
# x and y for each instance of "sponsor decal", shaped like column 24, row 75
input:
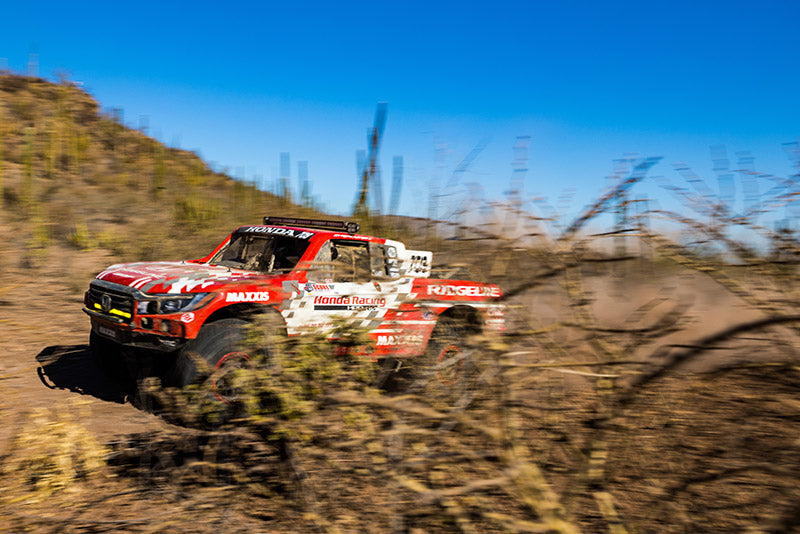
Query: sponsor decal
column 310, row 287
column 348, row 303
column 419, row 263
column 463, row 291
column 247, row 296
column 495, row 311
column 300, row 289
column 350, row 307
column 187, row 317
column 350, row 236
column 375, row 301
column 272, row 230
column 403, row 339
column 319, row 324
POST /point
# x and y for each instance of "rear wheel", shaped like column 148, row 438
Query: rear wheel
column 448, row 367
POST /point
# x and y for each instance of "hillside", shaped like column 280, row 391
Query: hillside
column 73, row 176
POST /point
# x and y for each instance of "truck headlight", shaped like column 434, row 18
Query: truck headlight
column 160, row 304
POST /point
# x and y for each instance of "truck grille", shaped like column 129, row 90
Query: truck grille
column 113, row 302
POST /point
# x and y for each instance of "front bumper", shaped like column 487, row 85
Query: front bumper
column 118, row 331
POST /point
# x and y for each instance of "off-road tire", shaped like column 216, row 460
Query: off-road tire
column 212, row 344
column 451, row 346
column 219, row 349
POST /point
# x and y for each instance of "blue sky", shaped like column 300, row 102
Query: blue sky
column 588, row 81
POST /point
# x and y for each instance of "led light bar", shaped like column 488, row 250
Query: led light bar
column 350, row 227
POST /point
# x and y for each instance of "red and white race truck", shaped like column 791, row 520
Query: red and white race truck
column 309, row 275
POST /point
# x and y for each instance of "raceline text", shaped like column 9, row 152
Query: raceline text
column 463, row 291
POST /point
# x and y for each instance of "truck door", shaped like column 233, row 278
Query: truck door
column 342, row 287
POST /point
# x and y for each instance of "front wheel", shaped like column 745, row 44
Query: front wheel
column 218, row 347
column 218, row 352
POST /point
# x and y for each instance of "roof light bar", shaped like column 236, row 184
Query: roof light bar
column 350, row 227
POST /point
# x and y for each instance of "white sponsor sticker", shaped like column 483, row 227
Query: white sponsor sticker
column 187, row 317
column 247, row 296
column 401, row 339
column 309, row 287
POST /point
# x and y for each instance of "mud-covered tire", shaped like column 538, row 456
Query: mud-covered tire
column 109, row 358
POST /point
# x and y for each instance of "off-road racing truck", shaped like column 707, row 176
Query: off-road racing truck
column 307, row 275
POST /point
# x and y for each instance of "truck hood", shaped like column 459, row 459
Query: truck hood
column 175, row 276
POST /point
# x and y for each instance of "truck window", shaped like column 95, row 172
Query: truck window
column 342, row 261
column 261, row 253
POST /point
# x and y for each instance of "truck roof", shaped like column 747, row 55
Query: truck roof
column 304, row 232
column 309, row 228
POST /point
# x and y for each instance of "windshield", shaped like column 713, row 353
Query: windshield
column 261, row 253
